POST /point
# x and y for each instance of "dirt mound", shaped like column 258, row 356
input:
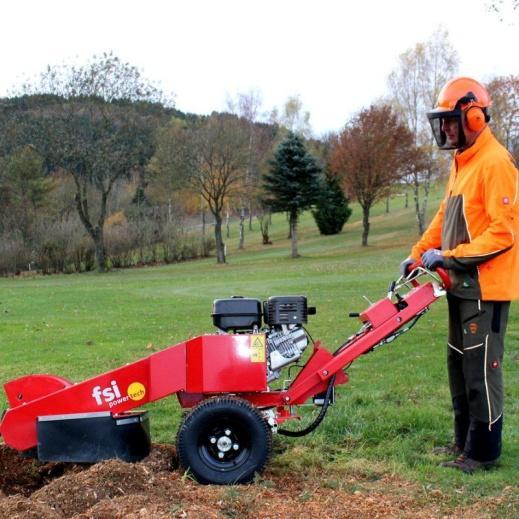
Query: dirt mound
column 155, row 488
column 20, row 475
column 106, row 480
column 18, row 507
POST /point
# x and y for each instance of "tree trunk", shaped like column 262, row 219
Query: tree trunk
column 202, row 211
column 100, row 249
column 406, row 199
column 242, row 230
column 425, row 199
column 96, row 233
column 419, row 218
column 387, row 205
column 293, row 234
column 227, row 222
column 140, row 197
column 220, row 247
column 365, row 225
column 264, row 221
column 250, row 215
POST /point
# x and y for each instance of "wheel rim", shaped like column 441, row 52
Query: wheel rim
column 225, row 445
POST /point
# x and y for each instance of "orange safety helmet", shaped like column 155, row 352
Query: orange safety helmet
column 462, row 99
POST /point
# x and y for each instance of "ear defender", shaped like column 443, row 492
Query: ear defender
column 475, row 119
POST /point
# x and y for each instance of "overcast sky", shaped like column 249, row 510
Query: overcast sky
column 335, row 54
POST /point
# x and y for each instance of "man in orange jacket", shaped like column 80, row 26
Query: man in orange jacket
column 473, row 235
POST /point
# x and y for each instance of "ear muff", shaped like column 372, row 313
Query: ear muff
column 475, row 119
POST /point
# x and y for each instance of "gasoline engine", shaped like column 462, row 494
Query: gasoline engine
column 283, row 317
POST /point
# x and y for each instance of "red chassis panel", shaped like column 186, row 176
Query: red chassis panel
column 117, row 391
column 208, row 364
column 226, row 364
column 24, row 389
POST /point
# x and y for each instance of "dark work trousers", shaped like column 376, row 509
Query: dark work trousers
column 475, row 358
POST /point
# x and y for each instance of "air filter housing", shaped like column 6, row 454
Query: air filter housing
column 237, row 314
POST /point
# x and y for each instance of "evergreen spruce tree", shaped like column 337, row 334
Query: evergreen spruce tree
column 331, row 210
column 292, row 183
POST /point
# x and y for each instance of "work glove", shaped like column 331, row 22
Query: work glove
column 432, row 259
column 404, row 266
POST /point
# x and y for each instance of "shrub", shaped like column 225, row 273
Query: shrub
column 331, row 210
column 62, row 246
column 121, row 242
column 15, row 256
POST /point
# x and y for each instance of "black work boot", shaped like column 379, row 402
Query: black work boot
column 468, row 465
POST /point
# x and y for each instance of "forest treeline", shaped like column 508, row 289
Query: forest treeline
column 99, row 169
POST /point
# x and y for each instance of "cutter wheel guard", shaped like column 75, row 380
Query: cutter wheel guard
column 223, row 380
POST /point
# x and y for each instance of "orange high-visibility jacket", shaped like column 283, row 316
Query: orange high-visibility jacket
column 477, row 224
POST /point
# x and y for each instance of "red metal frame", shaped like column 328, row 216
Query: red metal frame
column 200, row 368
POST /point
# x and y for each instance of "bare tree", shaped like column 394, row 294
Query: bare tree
column 504, row 8
column 261, row 138
column 293, row 117
column 414, row 86
column 209, row 156
column 247, row 106
column 504, row 92
column 220, row 148
column 105, row 76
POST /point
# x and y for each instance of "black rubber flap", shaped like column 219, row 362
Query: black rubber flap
column 93, row 437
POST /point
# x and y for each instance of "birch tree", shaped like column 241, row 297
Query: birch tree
column 414, row 87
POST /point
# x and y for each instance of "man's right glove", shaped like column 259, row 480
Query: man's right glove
column 432, row 259
column 404, row 266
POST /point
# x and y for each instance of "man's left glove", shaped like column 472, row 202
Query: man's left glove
column 404, row 266
column 432, row 259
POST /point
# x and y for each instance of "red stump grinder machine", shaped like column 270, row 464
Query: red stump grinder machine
column 224, row 380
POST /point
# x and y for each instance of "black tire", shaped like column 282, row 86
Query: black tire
column 224, row 441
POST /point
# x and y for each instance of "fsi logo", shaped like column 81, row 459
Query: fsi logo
column 106, row 394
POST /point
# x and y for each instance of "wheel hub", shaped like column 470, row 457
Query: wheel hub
column 224, row 444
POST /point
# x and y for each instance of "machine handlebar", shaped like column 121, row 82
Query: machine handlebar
column 442, row 273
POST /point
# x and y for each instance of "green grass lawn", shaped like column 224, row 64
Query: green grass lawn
column 388, row 417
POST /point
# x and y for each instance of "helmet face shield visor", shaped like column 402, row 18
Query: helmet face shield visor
column 447, row 128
